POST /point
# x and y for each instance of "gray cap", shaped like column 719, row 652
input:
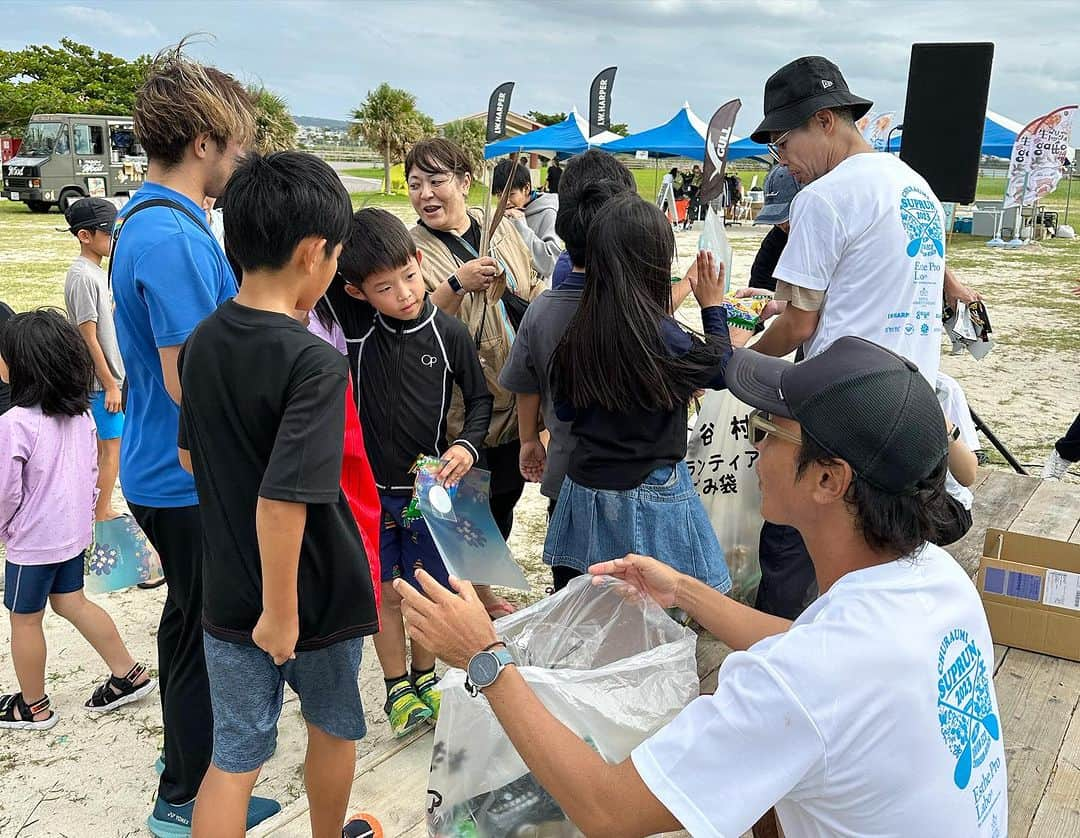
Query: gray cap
column 860, row 402
column 780, row 188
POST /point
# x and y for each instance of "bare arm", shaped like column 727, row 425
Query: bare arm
column 279, row 526
column 528, row 412
column 730, row 622
column 184, row 456
column 791, row 328
column 170, row 370
column 445, row 298
column 101, row 366
column 963, row 463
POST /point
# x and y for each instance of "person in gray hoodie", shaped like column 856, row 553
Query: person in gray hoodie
column 532, row 212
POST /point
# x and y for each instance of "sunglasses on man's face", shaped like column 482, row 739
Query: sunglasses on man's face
column 776, row 148
column 760, row 425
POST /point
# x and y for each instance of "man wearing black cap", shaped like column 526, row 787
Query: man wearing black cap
column 866, row 253
column 873, row 713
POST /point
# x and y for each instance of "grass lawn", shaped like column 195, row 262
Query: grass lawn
column 377, row 174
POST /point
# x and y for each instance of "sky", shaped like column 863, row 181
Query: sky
column 324, row 55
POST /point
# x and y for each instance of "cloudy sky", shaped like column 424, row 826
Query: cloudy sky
column 324, row 55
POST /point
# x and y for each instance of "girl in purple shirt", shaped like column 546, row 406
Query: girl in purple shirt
column 48, row 470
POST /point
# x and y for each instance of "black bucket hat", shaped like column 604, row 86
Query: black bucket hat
column 798, row 90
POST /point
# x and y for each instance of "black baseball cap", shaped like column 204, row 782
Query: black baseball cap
column 858, row 401
column 798, row 90
column 90, row 214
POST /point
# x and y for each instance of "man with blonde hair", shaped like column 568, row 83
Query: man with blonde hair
column 168, row 273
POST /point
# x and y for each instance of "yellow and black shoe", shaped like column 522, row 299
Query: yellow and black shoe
column 425, row 684
column 404, row 708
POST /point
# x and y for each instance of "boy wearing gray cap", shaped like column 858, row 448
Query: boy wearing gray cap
column 89, row 304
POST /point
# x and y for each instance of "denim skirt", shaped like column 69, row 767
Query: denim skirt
column 662, row 518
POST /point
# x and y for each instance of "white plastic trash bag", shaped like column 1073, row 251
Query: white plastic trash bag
column 613, row 668
column 720, row 460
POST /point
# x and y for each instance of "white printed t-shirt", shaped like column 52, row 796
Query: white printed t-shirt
column 873, row 715
column 871, row 235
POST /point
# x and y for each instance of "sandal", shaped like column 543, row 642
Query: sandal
column 16, row 714
column 116, row 692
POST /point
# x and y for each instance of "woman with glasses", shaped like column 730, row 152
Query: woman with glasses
column 487, row 291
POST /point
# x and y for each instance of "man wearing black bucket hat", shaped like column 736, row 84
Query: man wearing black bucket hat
column 873, row 713
column 865, row 256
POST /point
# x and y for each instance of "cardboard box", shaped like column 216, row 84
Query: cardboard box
column 1030, row 588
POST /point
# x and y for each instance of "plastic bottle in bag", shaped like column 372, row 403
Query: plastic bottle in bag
column 714, row 239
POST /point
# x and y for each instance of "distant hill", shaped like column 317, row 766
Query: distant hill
column 320, row 122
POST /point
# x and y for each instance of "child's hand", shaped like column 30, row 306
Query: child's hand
column 532, row 460
column 113, row 398
column 456, row 464
column 277, row 636
column 707, row 282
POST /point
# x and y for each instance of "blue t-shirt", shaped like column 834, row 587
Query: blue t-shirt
column 168, row 274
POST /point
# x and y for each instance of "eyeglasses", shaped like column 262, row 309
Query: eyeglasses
column 760, row 426
column 776, row 147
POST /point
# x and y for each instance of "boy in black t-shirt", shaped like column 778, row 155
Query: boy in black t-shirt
column 287, row 595
column 408, row 356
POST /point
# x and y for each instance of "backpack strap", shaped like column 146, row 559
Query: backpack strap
column 145, row 205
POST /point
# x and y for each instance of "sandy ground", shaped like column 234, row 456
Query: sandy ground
column 95, row 776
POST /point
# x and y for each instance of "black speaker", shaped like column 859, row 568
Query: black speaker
column 948, row 85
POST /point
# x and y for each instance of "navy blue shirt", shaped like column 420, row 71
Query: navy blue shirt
column 168, row 274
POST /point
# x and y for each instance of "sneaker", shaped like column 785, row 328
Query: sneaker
column 16, row 714
column 425, row 686
column 116, row 692
column 169, row 820
column 1055, row 466
column 404, row 708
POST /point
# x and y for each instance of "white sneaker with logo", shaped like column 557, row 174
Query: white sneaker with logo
column 1055, row 466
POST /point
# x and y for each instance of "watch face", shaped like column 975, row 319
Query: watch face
column 483, row 669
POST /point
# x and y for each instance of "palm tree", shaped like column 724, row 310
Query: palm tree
column 470, row 134
column 275, row 129
column 389, row 122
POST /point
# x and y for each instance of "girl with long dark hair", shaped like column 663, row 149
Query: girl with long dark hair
column 624, row 375
column 48, row 471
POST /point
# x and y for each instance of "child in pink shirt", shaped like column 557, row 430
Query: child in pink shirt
column 48, row 468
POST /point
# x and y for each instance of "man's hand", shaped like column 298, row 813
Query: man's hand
column 532, row 460
column 277, row 636
column 646, row 575
column 456, row 464
column 772, row 307
column 707, row 281
column 453, row 626
column 112, row 398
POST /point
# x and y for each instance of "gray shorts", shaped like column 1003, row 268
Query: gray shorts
column 247, row 689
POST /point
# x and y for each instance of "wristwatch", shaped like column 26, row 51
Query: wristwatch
column 485, row 667
column 456, row 285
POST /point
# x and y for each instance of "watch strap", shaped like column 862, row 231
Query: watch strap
column 455, row 284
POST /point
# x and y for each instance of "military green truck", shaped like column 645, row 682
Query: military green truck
column 67, row 156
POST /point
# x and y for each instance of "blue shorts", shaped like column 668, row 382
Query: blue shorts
column 27, row 586
column 247, row 689
column 403, row 550
column 109, row 425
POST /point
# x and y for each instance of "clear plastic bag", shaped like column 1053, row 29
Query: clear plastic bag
column 612, row 668
column 714, row 239
column 721, row 460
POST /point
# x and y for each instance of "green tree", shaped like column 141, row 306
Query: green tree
column 619, row 128
column 389, row 123
column 546, row 118
column 71, row 78
column 470, row 134
column 275, row 129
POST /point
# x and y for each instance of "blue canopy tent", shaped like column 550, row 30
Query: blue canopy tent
column 746, row 148
column 681, row 136
column 562, row 138
column 999, row 134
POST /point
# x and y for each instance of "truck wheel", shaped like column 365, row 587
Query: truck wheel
column 39, row 206
column 68, row 197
